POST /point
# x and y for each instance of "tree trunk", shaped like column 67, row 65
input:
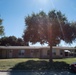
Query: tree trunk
column 50, row 41
column 50, row 56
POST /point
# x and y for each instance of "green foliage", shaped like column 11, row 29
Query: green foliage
column 1, row 28
column 11, row 41
column 34, row 27
column 73, row 26
column 44, row 28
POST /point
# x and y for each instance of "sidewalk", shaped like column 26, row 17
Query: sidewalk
column 36, row 73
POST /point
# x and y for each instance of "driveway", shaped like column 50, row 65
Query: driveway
column 36, row 73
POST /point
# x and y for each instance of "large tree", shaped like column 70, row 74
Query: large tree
column 1, row 28
column 49, row 29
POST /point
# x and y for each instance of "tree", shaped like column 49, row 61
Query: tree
column 73, row 26
column 49, row 29
column 11, row 41
column 1, row 28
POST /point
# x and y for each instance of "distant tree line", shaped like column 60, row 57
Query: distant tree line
column 12, row 41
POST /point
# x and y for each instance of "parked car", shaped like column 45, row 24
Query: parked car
column 73, row 67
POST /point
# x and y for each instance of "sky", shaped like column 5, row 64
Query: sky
column 14, row 12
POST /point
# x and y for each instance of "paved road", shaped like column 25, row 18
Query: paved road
column 37, row 73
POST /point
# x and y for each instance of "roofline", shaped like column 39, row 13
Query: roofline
column 35, row 47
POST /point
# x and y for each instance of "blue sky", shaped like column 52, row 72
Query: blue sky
column 13, row 12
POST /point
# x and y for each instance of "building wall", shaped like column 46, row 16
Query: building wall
column 44, row 53
column 4, row 54
column 0, row 53
column 39, row 53
column 27, row 53
column 55, row 53
column 35, row 53
column 14, row 53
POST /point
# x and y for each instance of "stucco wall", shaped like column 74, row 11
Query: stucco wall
column 57, row 52
column 44, row 53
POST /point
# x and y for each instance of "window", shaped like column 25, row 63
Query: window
column 21, row 52
column 54, row 52
column 61, row 52
column 10, row 51
column 48, row 52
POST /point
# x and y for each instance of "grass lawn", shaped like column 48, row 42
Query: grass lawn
column 5, row 64
column 67, row 60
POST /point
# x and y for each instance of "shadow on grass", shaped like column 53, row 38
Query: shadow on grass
column 32, row 65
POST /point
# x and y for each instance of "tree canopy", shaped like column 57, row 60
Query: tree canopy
column 11, row 41
column 1, row 28
column 48, row 28
column 40, row 27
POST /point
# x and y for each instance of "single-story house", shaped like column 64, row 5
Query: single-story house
column 35, row 52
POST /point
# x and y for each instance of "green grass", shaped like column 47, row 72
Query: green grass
column 67, row 60
column 6, row 64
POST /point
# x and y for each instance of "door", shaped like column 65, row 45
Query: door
column 10, row 53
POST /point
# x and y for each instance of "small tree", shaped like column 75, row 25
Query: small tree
column 48, row 29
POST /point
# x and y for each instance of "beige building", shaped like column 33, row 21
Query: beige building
column 36, row 52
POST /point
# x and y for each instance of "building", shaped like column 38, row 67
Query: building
column 36, row 52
